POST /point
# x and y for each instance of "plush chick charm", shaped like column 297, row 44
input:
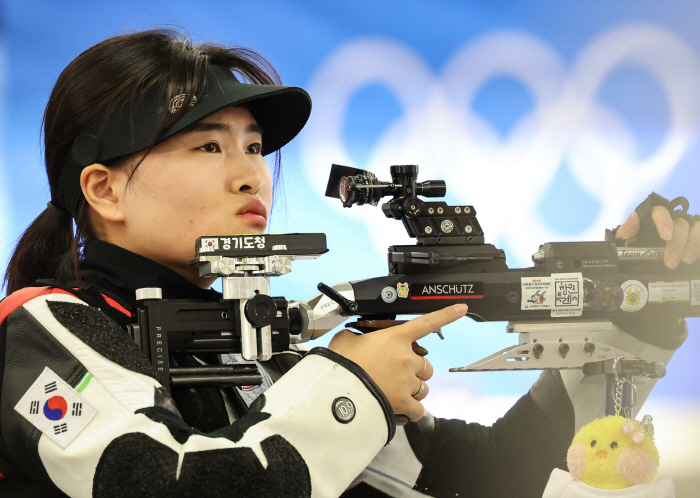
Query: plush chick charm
column 614, row 453
column 611, row 457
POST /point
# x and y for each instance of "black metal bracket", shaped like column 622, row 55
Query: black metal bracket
column 636, row 366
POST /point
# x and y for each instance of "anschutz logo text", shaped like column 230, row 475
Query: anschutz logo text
column 436, row 290
column 467, row 290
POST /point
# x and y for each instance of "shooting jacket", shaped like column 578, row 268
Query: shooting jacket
column 81, row 414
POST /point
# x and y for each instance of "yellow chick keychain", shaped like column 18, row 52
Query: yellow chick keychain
column 612, row 456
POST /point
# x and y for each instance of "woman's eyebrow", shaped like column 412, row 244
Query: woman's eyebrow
column 223, row 127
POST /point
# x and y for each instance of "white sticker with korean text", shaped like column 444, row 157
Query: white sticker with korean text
column 568, row 294
column 536, row 293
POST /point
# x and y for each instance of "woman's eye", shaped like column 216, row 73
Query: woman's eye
column 210, row 147
column 255, row 148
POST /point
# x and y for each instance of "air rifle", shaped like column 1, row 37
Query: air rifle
column 568, row 309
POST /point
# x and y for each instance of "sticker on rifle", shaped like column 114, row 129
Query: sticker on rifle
column 402, row 289
column 568, row 294
column 55, row 408
column 607, row 296
column 695, row 292
column 664, row 292
column 536, row 293
column 388, row 294
column 634, row 296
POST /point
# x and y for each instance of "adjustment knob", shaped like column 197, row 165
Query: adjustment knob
column 226, row 266
column 412, row 207
column 282, row 265
column 409, row 171
column 260, row 310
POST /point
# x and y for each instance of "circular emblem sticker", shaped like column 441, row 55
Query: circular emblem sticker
column 634, row 295
column 607, row 296
column 388, row 294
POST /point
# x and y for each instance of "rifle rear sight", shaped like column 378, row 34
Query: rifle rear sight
column 431, row 223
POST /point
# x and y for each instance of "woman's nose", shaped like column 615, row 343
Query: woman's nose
column 245, row 177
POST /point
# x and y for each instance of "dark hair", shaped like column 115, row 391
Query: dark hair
column 100, row 81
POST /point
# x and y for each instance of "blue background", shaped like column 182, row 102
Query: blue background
column 540, row 196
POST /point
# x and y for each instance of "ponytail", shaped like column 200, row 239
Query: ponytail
column 46, row 249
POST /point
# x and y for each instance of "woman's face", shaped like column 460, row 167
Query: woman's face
column 210, row 179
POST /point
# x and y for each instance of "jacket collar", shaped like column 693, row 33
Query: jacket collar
column 120, row 272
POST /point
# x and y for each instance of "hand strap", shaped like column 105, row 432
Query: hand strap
column 648, row 235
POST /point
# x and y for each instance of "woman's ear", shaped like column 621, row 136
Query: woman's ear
column 103, row 189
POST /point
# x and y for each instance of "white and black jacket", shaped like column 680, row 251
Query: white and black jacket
column 291, row 442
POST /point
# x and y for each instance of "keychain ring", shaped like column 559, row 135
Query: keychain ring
column 635, row 394
column 614, row 367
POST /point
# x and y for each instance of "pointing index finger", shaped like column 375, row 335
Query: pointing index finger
column 424, row 325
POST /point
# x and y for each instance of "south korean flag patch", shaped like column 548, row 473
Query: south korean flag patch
column 55, row 408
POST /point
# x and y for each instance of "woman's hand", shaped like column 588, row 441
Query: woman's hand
column 682, row 240
column 387, row 356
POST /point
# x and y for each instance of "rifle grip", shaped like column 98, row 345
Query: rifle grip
column 366, row 326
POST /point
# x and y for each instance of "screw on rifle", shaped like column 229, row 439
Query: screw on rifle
column 468, row 229
column 588, row 348
column 512, row 296
column 428, row 229
column 458, row 210
column 431, row 210
column 563, row 349
column 440, row 210
column 467, row 210
column 538, row 349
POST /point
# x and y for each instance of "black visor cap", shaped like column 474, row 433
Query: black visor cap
column 281, row 111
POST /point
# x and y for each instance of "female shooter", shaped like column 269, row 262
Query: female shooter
column 150, row 142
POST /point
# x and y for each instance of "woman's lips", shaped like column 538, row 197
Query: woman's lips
column 254, row 212
column 254, row 218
